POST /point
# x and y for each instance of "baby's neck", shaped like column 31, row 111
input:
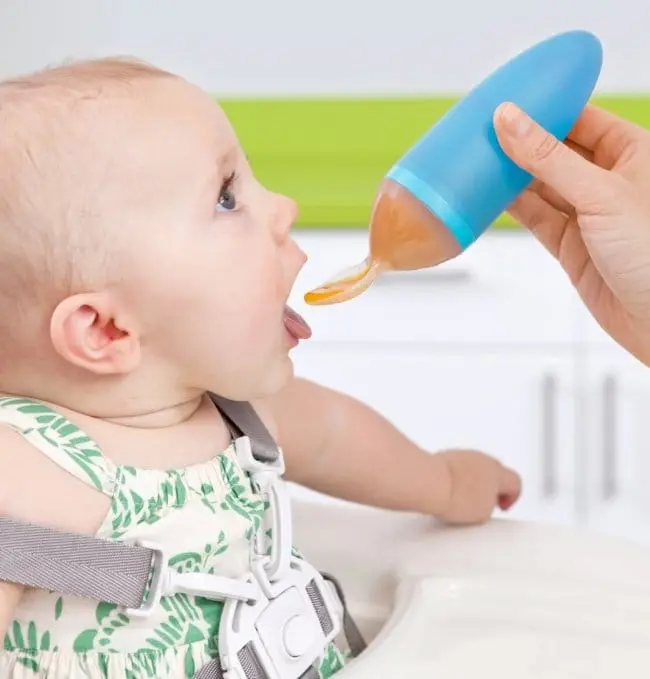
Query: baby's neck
column 165, row 416
column 168, row 439
column 150, row 424
column 122, row 402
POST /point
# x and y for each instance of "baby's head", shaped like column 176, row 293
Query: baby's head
column 136, row 247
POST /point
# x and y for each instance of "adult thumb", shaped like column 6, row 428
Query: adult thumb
column 581, row 183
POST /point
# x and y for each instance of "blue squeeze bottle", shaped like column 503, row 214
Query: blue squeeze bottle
column 456, row 180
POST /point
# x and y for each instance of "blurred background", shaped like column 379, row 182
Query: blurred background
column 492, row 350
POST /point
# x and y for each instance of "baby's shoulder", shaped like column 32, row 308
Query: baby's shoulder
column 20, row 465
column 34, row 489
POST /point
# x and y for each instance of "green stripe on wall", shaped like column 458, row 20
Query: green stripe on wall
column 330, row 154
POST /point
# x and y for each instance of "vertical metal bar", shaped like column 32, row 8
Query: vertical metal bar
column 610, row 466
column 549, row 436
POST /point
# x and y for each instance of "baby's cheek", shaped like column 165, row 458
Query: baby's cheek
column 266, row 287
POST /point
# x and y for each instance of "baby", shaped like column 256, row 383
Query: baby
column 143, row 269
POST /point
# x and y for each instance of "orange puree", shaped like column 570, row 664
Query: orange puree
column 404, row 235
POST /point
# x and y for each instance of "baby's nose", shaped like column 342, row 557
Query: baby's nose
column 285, row 214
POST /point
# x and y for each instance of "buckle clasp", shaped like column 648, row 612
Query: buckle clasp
column 285, row 631
column 165, row 582
column 266, row 479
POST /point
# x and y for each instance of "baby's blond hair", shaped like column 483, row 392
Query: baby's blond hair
column 55, row 179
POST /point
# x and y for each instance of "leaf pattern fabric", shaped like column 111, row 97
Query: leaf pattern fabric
column 203, row 515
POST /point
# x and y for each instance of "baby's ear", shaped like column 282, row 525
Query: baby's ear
column 93, row 332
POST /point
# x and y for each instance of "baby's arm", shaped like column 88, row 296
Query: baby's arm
column 9, row 598
column 339, row 446
column 34, row 489
column 9, row 450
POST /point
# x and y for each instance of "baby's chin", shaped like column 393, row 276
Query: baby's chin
column 274, row 375
column 282, row 375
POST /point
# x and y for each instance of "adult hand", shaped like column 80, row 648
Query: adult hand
column 589, row 204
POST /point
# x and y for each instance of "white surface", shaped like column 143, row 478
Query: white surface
column 514, row 628
column 504, row 600
column 342, row 46
column 503, row 360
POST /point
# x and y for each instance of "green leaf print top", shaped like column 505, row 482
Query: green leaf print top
column 203, row 515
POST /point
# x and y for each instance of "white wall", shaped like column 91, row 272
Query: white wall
column 341, row 46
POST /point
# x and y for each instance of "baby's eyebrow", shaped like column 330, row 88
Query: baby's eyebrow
column 227, row 160
column 223, row 166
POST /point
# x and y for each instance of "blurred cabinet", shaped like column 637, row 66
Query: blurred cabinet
column 493, row 351
column 519, row 408
column 616, row 446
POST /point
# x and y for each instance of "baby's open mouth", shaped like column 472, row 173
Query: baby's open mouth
column 295, row 324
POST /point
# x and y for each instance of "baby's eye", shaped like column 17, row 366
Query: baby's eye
column 227, row 201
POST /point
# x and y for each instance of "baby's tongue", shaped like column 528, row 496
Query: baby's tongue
column 296, row 324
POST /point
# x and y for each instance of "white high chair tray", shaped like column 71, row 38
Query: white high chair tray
column 502, row 601
column 511, row 630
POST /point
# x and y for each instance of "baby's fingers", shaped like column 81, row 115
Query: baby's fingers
column 509, row 488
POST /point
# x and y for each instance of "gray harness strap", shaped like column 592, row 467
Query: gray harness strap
column 70, row 563
column 353, row 636
column 116, row 572
column 213, row 670
column 244, row 421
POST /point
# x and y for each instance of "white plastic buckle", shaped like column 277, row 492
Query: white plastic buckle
column 281, row 631
column 165, row 582
column 267, row 479
column 257, row 468
column 158, row 570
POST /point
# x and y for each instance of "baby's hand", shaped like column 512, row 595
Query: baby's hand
column 479, row 483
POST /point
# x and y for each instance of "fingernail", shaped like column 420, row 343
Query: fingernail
column 505, row 502
column 515, row 122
